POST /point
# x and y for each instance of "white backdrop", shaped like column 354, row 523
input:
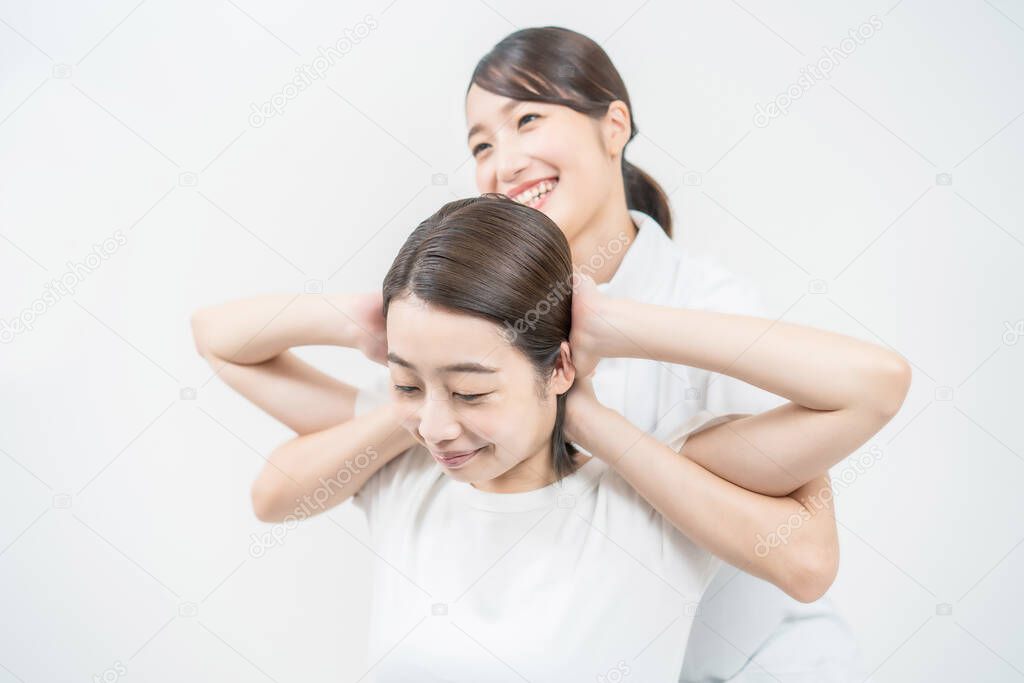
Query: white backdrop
column 142, row 175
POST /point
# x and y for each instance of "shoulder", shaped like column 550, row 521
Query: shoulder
column 675, row 438
column 704, row 283
column 406, row 470
column 632, row 524
column 397, row 482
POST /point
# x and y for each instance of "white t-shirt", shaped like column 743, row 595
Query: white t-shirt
column 571, row 582
column 758, row 628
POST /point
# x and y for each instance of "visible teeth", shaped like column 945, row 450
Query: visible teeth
column 531, row 195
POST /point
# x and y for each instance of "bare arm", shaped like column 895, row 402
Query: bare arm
column 841, row 390
column 247, row 343
column 727, row 520
column 314, row 472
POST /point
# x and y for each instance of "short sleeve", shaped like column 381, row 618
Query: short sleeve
column 400, row 483
column 722, row 291
column 698, row 422
column 649, row 537
column 369, row 397
column 683, row 547
column 377, row 392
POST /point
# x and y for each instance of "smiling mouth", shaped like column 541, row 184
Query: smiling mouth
column 536, row 194
column 456, row 460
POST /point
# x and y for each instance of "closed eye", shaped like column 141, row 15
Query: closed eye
column 469, row 398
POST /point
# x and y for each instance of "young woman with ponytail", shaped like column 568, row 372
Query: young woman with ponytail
column 547, row 103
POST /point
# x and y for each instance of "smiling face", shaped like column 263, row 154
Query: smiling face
column 517, row 143
column 468, row 389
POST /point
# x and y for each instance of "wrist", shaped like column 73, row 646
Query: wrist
column 335, row 323
column 613, row 340
column 583, row 419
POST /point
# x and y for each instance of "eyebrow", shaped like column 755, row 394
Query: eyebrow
column 454, row 367
column 505, row 108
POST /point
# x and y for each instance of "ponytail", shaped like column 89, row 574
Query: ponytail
column 643, row 193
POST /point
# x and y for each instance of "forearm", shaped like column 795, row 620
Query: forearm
column 786, row 359
column 727, row 520
column 313, row 472
column 255, row 329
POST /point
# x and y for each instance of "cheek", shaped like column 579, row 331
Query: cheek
column 495, row 425
column 527, row 425
column 492, row 425
column 558, row 147
column 484, row 178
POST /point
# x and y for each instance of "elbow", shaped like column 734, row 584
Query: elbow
column 264, row 502
column 812, row 573
column 200, row 336
column 895, row 385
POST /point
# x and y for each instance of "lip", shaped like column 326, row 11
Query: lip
column 519, row 189
column 456, row 460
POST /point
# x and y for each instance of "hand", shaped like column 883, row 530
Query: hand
column 589, row 324
column 581, row 406
column 369, row 326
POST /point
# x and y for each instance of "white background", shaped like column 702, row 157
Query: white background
column 125, row 524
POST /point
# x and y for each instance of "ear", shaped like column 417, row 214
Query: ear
column 564, row 372
column 616, row 126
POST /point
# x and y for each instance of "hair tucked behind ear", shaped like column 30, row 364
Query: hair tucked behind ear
column 559, row 66
column 499, row 260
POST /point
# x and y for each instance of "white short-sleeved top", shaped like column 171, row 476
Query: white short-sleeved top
column 569, row 582
column 658, row 397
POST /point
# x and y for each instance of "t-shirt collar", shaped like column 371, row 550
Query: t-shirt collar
column 646, row 268
column 562, row 493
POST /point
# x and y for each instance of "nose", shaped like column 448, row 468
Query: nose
column 438, row 423
column 510, row 162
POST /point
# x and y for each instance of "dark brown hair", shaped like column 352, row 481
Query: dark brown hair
column 496, row 259
column 558, row 66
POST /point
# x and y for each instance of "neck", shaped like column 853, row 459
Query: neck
column 600, row 245
column 531, row 474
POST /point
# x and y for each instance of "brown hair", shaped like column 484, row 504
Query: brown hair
column 558, row 66
column 496, row 259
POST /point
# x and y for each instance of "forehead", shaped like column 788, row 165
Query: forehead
column 430, row 337
column 484, row 107
column 486, row 110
